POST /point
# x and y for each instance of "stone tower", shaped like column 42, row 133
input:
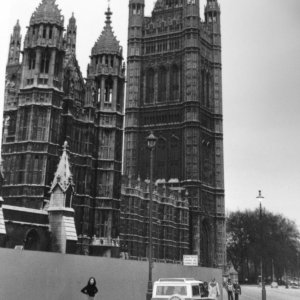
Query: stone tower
column 71, row 35
column 12, row 84
column 30, row 148
column 105, row 89
column 175, row 90
column 15, row 46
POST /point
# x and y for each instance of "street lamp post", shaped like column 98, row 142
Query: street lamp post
column 297, row 254
column 151, row 142
column 263, row 288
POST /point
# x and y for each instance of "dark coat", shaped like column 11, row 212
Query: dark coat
column 237, row 289
column 90, row 289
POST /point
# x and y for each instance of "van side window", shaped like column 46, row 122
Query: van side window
column 195, row 290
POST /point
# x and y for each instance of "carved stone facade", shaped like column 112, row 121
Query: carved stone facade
column 170, row 219
column 174, row 88
column 47, row 102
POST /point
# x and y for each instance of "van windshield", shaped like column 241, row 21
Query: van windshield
column 171, row 290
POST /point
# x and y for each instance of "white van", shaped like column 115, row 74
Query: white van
column 177, row 289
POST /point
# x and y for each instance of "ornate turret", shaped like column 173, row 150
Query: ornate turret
column 107, row 43
column 212, row 13
column 14, row 46
column 191, row 11
column 43, row 47
column 105, row 91
column 47, row 12
column 61, row 214
column 106, row 67
column 70, row 36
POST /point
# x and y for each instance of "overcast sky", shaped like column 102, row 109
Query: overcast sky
column 261, row 89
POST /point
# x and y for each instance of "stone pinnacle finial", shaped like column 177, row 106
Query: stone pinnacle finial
column 108, row 15
column 65, row 146
column 17, row 26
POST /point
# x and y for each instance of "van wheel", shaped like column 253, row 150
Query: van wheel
column 176, row 297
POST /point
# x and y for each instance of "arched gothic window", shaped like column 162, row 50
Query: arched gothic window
column 174, row 83
column 162, row 85
column 31, row 60
column 58, row 64
column 161, row 158
column 150, row 86
column 108, row 90
column 45, row 62
column 174, row 158
column 202, row 87
column 207, row 90
column 44, row 32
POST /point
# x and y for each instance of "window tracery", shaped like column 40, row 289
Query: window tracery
column 108, row 90
column 174, row 83
column 150, row 86
column 162, row 84
column 45, row 62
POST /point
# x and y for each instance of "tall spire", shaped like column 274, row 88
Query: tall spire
column 71, row 36
column 107, row 43
column 17, row 27
column 63, row 176
column 15, row 45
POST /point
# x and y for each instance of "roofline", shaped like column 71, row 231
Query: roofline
column 24, row 209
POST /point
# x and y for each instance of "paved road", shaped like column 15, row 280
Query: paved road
column 281, row 293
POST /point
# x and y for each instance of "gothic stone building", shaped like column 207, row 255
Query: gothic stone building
column 174, row 89
column 47, row 102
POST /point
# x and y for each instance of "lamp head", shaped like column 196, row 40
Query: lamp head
column 259, row 197
column 151, row 140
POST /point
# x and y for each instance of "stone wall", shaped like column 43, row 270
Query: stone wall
column 31, row 275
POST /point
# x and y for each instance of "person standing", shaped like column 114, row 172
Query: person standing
column 237, row 290
column 205, row 289
column 213, row 289
column 90, row 289
column 230, row 289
